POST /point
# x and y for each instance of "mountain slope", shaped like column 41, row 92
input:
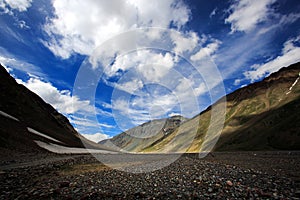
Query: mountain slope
column 265, row 115
column 261, row 116
column 149, row 133
column 25, row 117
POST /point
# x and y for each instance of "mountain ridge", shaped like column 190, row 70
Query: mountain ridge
column 27, row 118
column 158, row 128
column 249, row 110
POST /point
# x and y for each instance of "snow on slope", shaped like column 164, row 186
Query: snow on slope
column 290, row 89
column 31, row 130
column 69, row 150
column 8, row 116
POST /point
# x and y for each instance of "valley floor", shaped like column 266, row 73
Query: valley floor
column 233, row 175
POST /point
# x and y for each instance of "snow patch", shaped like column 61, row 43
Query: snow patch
column 290, row 89
column 294, row 83
column 69, row 150
column 8, row 116
column 31, row 130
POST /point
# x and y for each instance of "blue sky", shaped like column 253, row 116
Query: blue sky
column 111, row 65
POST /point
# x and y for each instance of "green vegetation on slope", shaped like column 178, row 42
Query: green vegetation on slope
column 261, row 116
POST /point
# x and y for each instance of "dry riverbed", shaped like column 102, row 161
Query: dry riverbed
column 238, row 175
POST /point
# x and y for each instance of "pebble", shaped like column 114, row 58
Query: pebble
column 64, row 184
column 229, row 183
column 187, row 178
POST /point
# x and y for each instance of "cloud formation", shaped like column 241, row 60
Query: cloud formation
column 290, row 54
column 245, row 15
column 101, row 20
column 208, row 50
column 14, row 63
column 19, row 5
column 184, row 42
column 148, row 82
column 97, row 137
column 62, row 100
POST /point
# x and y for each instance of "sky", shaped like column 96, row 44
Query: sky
column 111, row 65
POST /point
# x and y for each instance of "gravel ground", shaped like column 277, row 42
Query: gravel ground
column 239, row 175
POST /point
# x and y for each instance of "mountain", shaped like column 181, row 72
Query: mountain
column 261, row 116
column 25, row 118
column 264, row 115
column 140, row 137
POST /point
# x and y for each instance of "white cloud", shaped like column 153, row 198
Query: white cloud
column 80, row 112
column 237, row 82
column 103, row 113
column 183, row 85
column 59, row 99
column 22, row 24
column 130, row 86
column 213, row 13
column 20, row 5
column 101, row 20
column 282, row 21
column 201, row 89
column 290, row 55
column 246, row 14
column 209, row 50
column 105, row 105
column 8, row 69
column 151, row 65
column 13, row 63
column 139, row 109
column 156, row 85
column 123, row 111
column 172, row 114
column 156, row 66
column 155, row 101
column 184, row 42
column 97, row 137
column 85, row 122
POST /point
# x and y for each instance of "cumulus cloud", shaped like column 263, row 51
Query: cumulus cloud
column 208, row 50
column 125, row 69
column 201, row 89
column 20, row 5
column 97, row 137
column 62, row 100
column 101, row 20
column 157, row 100
column 184, row 42
column 156, row 66
column 246, row 14
column 290, row 54
column 80, row 112
column 144, row 64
